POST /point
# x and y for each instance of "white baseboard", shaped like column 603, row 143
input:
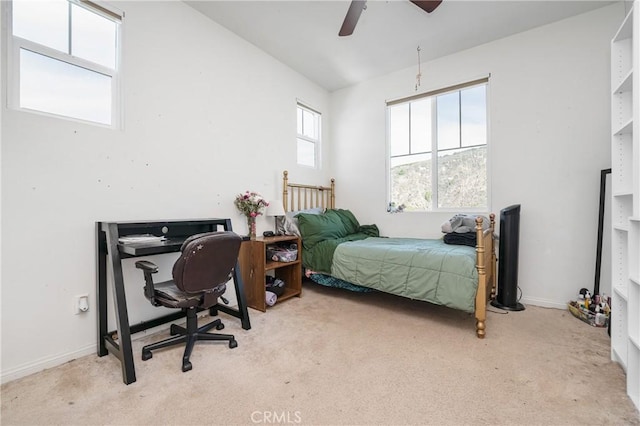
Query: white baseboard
column 56, row 360
column 542, row 303
column 50, row 362
column 44, row 363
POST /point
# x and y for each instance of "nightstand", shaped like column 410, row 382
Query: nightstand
column 255, row 266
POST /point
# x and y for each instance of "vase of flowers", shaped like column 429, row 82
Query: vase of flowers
column 251, row 204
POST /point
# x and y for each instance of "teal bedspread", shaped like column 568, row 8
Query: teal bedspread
column 335, row 244
column 427, row 270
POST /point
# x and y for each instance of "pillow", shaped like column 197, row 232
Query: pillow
column 463, row 223
column 332, row 224
column 288, row 224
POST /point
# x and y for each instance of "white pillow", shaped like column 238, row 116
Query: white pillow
column 289, row 226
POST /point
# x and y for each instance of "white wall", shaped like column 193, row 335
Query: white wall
column 549, row 116
column 207, row 116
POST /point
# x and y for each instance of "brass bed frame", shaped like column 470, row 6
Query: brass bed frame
column 297, row 197
column 301, row 197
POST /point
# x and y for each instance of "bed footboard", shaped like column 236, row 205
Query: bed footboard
column 486, row 266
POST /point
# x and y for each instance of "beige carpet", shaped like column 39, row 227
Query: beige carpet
column 334, row 357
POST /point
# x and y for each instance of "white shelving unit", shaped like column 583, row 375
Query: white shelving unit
column 625, row 205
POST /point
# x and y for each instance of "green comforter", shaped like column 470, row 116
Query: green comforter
column 427, row 270
column 335, row 244
column 322, row 233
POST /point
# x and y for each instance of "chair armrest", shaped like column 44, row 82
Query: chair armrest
column 147, row 266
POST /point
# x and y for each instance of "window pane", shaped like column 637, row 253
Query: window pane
column 421, row 126
column 308, row 141
column 57, row 87
column 299, row 120
column 411, row 182
column 93, row 37
column 399, row 129
column 43, row 22
column 448, row 108
column 462, row 178
column 473, row 110
column 455, row 177
column 309, row 124
column 306, row 153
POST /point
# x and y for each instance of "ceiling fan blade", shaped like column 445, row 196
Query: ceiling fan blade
column 427, row 6
column 351, row 19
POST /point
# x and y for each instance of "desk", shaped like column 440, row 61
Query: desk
column 108, row 249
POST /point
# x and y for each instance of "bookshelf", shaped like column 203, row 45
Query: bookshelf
column 625, row 218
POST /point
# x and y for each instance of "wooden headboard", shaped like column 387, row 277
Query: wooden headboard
column 297, row 196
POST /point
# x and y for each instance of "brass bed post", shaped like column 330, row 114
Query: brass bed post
column 285, row 190
column 481, row 294
column 486, row 266
column 333, row 194
column 492, row 281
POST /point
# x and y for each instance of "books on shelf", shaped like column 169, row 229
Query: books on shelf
column 141, row 238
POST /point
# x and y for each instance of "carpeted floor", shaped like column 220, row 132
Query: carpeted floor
column 333, row 357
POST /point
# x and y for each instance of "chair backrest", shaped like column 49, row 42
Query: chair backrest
column 206, row 261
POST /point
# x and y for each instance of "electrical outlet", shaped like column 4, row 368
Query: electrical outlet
column 81, row 304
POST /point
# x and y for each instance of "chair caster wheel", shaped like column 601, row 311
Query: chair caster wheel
column 233, row 344
column 146, row 355
column 220, row 326
column 186, row 366
column 173, row 330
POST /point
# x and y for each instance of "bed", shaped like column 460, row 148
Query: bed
column 339, row 251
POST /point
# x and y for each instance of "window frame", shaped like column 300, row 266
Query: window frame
column 15, row 44
column 316, row 142
column 432, row 95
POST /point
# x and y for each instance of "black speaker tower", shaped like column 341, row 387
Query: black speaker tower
column 508, row 260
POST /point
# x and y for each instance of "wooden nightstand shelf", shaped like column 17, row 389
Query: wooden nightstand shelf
column 254, row 266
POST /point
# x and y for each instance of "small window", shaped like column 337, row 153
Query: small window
column 309, row 125
column 438, row 150
column 65, row 59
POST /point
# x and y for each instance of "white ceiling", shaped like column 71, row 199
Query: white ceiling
column 304, row 34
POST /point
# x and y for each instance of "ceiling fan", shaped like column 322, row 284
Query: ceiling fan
column 357, row 6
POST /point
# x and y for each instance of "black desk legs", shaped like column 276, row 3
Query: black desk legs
column 122, row 317
column 242, row 313
column 107, row 247
column 242, row 303
column 101, row 290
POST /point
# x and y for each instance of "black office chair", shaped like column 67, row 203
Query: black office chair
column 199, row 279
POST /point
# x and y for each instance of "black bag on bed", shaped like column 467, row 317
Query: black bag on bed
column 463, row 239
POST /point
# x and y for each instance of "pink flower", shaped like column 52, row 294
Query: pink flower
column 250, row 203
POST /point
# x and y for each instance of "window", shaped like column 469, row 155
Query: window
column 438, row 149
column 309, row 125
column 65, row 59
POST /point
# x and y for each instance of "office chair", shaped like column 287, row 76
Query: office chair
column 199, row 278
